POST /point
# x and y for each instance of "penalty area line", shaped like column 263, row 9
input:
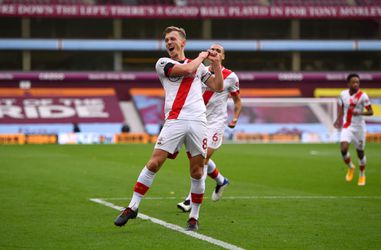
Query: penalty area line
column 171, row 226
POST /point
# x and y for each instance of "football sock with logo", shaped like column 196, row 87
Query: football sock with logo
column 188, row 198
column 362, row 163
column 142, row 185
column 197, row 195
column 214, row 173
column 347, row 159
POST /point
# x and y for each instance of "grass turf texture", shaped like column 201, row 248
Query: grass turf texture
column 45, row 191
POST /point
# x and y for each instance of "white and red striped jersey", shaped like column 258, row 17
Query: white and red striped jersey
column 216, row 102
column 183, row 94
column 356, row 102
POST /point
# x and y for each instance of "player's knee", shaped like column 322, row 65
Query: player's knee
column 197, row 176
column 153, row 165
column 196, row 173
column 360, row 153
column 344, row 146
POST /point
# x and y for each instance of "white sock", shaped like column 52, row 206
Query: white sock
column 188, row 197
column 211, row 166
column 197, row 190
column 362, row 164
column 142, row 185
column 214, row 173
column 347, row 160
column 135, row 201
column 204, row 176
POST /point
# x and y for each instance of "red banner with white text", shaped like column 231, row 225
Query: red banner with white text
column 59, row 106
column 196, row 12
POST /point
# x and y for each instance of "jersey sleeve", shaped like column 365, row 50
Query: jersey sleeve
column 366, row 100
column 340, row 100
column 233, row 84
column 205, row 73
column 164, row 66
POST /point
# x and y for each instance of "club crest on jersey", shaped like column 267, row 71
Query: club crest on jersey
column 177, row 78
column 174, row 78
column 162, row 63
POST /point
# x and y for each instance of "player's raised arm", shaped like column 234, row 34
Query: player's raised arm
column 188, row 68
column 215, row 82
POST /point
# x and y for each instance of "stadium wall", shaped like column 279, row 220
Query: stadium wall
column 100, row 123
column 306, row 83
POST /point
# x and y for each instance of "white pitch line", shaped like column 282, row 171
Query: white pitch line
column 299, row 197
column 266, row 197
column 172, row 226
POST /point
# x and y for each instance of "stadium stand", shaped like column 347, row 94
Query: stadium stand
column 224, row 2
column 368, row 2
column 310, row 3
column 48, row 2
column 279, row 49
column 202, row 2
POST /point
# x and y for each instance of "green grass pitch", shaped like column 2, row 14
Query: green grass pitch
column 296, row 198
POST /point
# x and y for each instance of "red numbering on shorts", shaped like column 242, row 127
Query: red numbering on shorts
column 205, row 143
column 215, row 137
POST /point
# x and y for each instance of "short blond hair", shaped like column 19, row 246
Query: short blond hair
column 181, row 31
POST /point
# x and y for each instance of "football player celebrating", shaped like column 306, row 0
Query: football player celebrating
column 216, row 110
column 185, row 120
